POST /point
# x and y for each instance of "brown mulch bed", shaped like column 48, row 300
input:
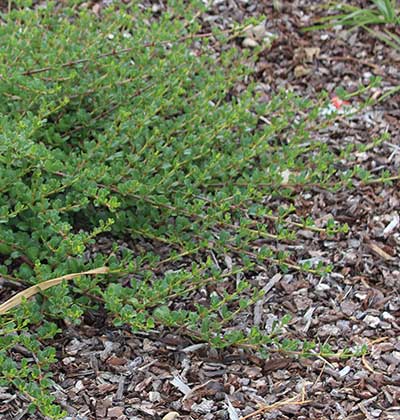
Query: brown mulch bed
column 107, row 373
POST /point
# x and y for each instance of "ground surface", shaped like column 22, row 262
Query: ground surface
column 109, row 373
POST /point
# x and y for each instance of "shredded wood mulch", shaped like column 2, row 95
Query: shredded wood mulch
column 109, row 373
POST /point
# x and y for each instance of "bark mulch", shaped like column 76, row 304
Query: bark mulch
column 109, row 373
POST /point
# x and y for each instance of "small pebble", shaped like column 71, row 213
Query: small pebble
column 372, row 321
column 154, row 396
column 249, row 43
column 343, row 372
column 79, row 386
column 387, row 316
column 204, row 407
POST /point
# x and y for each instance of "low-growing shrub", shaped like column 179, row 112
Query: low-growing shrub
column 144, row 133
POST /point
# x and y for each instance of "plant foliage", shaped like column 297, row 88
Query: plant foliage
column 131, row 129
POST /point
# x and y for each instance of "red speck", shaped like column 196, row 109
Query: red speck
column 338, row 103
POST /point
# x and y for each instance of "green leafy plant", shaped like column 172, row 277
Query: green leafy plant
column 129, row 130
column 382, row 12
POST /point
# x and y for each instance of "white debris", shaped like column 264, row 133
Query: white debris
column 372, row 321
column 249, row 43
column 178, row 383
column 392, row 225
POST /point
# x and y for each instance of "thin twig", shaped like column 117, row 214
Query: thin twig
column 274, row 406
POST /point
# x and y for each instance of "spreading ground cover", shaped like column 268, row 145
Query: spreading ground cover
column 129, row 129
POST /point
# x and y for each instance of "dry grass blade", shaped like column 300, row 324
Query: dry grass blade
column 278, row 404
column 33, row 290
column 380, row 252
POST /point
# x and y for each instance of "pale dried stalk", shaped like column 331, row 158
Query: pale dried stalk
column 33, row 290
column 278, row 404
